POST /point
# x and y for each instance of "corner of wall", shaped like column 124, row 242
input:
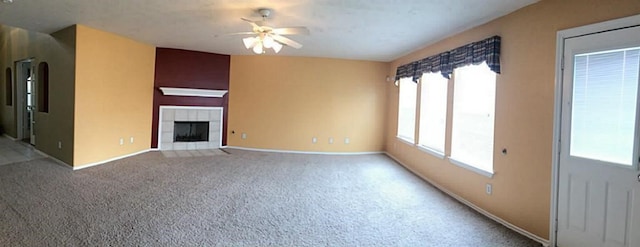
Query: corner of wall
column 113, row 96
column 58, row 50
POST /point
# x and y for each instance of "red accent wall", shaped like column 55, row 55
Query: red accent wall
column 189, row 69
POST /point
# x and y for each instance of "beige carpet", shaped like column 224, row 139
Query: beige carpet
column 239, row 199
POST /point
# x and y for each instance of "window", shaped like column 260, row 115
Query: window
column 473, row 118
column 433, row 112
column 604, row 105
column 43, row 87
column 407, row 109
column 29, row 89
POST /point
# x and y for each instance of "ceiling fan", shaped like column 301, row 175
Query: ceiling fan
column 269, row 37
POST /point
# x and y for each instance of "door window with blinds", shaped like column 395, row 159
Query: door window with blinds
column 605, row 95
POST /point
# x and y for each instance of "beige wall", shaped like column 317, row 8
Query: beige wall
column 524, row 110
column 114, row 90
column 282, row 102
column 58, row 50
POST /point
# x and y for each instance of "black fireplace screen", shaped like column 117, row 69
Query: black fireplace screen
column 191, row 132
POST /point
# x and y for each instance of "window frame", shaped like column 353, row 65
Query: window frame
column 450, row 116
column 424, row 80
column 455, row 159
column 407, row 139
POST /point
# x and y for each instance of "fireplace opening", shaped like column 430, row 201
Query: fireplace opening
column 191, row 132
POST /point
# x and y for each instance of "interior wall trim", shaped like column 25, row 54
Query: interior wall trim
column 300, row 152
column 9, row 137
column 75, row 168
column 495, row 218
column 175, row 91
column 60, row 162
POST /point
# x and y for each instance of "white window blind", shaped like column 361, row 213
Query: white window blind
column 605, row 90
column 473, row 117
column 433, row 111
column 407, row 109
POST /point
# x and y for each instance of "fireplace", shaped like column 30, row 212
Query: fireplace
column 190, row 131
column 189, row 128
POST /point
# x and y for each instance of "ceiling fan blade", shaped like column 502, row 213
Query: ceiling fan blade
column 286, row 41
column 291, row 30
column 231, row 34
column 253, row 23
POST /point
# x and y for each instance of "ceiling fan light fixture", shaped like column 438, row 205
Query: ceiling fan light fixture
column 276, row 47
column 269, row 37
column 268, row 41
column 258, row 48
column 249, row 42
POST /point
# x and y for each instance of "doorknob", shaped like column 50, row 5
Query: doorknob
column 638, row 177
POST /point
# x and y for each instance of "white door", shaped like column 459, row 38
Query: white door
column 31, row 99
column 598, row 183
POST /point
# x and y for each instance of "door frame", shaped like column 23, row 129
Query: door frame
column 562, row 35
column 21, row 91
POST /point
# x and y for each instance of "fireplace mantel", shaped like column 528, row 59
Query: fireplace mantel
column 175, row 91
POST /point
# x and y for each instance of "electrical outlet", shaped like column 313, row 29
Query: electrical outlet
column 330, row 140
column 121, row 141
column 59, row 145
column 314, row 140
column 346, row 140
column 244, row 136
column 489, row 189
column 131, row 140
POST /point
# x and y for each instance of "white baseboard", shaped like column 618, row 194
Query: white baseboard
column 157, row 149
column 109, row 160
column 90, row 164
column 9, row 137
column 300, row 152
column 43, row 154
column 513, row 227
column 53, row 158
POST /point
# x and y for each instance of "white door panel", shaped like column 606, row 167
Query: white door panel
column 32, row 106
column 599, row 188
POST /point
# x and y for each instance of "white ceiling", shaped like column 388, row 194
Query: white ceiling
column 378, row 30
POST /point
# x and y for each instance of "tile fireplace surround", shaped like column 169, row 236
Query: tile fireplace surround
column 170, row 114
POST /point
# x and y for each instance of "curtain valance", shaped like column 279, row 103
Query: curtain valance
column 487, row 50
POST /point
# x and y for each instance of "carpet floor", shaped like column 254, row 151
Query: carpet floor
column 243, row 198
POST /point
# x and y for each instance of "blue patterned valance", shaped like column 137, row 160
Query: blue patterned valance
column 487, row 50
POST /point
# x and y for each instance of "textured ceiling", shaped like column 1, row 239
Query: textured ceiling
column 378, row 30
